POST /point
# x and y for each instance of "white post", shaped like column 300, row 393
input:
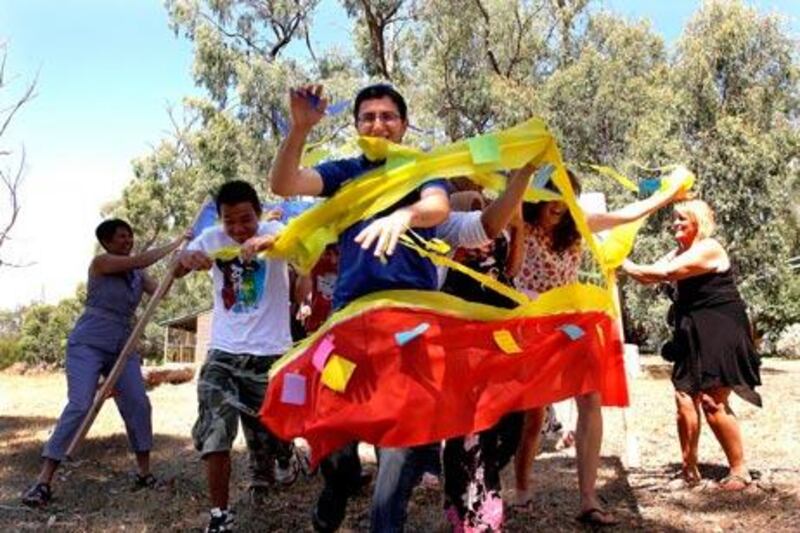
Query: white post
column 595, row 202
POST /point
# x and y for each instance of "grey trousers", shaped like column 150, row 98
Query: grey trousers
column 84, row 366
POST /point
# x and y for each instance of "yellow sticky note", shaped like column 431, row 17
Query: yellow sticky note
column 337, row 373
column 506, row 341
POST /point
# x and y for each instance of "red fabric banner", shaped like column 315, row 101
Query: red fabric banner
column 451, row 380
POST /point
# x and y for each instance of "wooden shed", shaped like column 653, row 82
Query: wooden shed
column 186, row 338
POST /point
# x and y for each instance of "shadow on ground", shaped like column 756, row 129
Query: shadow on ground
column 94, row 493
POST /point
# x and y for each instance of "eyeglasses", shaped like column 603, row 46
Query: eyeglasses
column 387, row 117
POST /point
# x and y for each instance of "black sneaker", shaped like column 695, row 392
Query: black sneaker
column 145, row 482
column 37, row 495
column 319, row 525
column 220, row 521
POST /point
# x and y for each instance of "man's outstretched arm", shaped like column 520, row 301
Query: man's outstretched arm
column 286, row 178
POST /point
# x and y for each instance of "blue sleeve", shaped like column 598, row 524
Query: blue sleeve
column 334, row 174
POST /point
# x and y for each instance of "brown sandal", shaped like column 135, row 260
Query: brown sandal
column 734, row 483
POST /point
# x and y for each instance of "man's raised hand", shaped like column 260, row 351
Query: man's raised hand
column 307, row 106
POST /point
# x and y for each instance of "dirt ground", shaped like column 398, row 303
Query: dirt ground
column 94, row 492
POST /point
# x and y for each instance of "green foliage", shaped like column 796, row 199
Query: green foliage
column 10, row 325
column 735, row 96
column 10, row 351
column 45, row 328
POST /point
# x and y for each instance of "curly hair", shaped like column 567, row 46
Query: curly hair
column 565, row 234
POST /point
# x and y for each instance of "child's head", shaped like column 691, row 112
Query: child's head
column 239, row 209
column 554, row 218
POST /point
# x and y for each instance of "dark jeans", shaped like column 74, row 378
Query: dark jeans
column 342, row 473
column 399, row 471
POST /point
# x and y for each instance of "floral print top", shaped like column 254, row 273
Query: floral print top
column 544, row 269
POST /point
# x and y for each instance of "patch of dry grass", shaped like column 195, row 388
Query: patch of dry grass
column 94, row 492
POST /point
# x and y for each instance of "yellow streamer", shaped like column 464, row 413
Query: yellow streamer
column 406, row 169
column 619, row 243
column 611, row 173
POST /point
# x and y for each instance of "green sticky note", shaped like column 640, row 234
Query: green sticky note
column 396, row 161
column 484, row 149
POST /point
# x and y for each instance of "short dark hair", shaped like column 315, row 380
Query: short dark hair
column 235, row 192
column 565, row 234
column 106, row 229
column 378, row 91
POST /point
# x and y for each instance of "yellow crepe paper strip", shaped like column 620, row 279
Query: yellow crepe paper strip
column 619, row 242
column 304, row 239
column 406, row 168
column 442, row 260
column 620, row 178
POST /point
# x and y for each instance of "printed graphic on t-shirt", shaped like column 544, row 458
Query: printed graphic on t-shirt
column 242, row 284
column 326, row 283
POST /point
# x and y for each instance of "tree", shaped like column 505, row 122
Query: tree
column 45, row 329
column 11, row 176
column 725, row 104
column 735, row 77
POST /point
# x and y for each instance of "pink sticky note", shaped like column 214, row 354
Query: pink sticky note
column 294, row 389
column 324, row 349
column 530, row 293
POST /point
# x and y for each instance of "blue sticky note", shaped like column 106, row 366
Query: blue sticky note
column 572, row 331
column 404, row 337
column 484, row 149
column 542, row 176
column 649, row 185
column 338, row 107
column 294, row 389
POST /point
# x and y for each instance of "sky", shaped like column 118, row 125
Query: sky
column 107, row 71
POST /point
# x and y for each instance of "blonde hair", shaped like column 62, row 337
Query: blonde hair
column 701, row 214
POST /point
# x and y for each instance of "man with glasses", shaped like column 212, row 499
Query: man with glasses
column 379, row 111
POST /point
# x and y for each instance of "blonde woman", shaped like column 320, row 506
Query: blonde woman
column 712, row 344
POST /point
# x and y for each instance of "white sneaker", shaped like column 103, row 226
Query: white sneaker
column 221, row 521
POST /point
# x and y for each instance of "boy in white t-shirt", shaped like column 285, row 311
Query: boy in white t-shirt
column 250, row 329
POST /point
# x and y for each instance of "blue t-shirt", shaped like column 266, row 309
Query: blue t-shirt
column 360, row 272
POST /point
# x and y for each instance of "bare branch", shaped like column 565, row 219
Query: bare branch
column 377, row 22
column 233, row 34
column 310, row 49
column 6, row 264
column 486, row 33
column 12, row 184
column 25, row 98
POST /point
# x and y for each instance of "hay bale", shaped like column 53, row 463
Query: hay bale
column 173, row 373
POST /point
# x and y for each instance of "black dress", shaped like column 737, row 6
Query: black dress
column 713, row 340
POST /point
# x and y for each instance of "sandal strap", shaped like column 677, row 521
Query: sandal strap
column 146, row 481
column 735, row 477
column 39, row 493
